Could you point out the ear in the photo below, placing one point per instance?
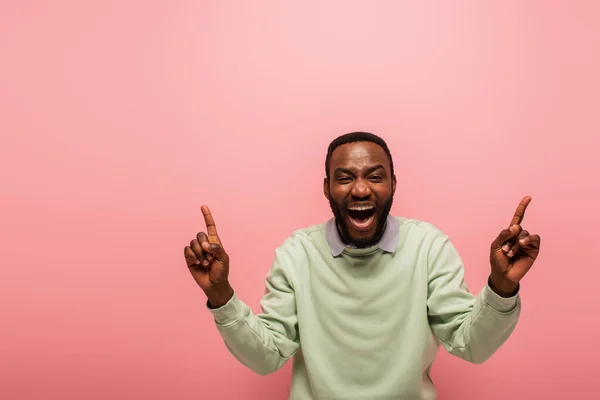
(393, 184)
(326, 188)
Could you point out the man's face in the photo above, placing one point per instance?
(360, 191)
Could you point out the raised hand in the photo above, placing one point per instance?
(513, 253)
(209, 263)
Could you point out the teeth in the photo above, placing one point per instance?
(361, 208)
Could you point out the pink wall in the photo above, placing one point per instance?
(118, 119)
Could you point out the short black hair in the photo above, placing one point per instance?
(356, 137)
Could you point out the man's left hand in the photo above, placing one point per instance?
(512, 254)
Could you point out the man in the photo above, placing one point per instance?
(361, 303)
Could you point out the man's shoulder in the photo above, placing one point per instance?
(302, 241)
(311, 233)
(412, 226)
(311, 230)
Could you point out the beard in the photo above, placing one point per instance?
(341, 214)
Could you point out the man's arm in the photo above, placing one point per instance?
(266, 341)
(469, 327)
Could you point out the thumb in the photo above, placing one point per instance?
(215, 250)
(505, 236)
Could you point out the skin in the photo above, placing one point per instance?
(360, 173)
(208, 263)
(513, 253)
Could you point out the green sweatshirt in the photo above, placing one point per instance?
(366, 323)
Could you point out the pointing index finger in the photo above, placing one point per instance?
(213, 237)
(520, 211)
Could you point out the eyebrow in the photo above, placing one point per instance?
(351, 172)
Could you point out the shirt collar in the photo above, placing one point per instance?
(388, 242)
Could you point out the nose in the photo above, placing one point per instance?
(361, 190)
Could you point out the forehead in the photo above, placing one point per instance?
(358, 155)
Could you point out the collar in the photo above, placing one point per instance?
(388, 242)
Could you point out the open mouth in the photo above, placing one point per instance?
(361, 216)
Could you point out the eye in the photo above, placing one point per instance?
(376, 178)
(344, 179)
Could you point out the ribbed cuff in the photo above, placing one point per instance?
(499, 303)
(228, 313)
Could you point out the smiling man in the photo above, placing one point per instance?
(362, 302)
(359, 188)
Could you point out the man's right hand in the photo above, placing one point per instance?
(209, 263)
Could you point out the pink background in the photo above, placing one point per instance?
(118, 119)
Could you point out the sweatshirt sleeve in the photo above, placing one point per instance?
(470, 327)
(265, 341)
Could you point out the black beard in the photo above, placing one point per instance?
(342, 225)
